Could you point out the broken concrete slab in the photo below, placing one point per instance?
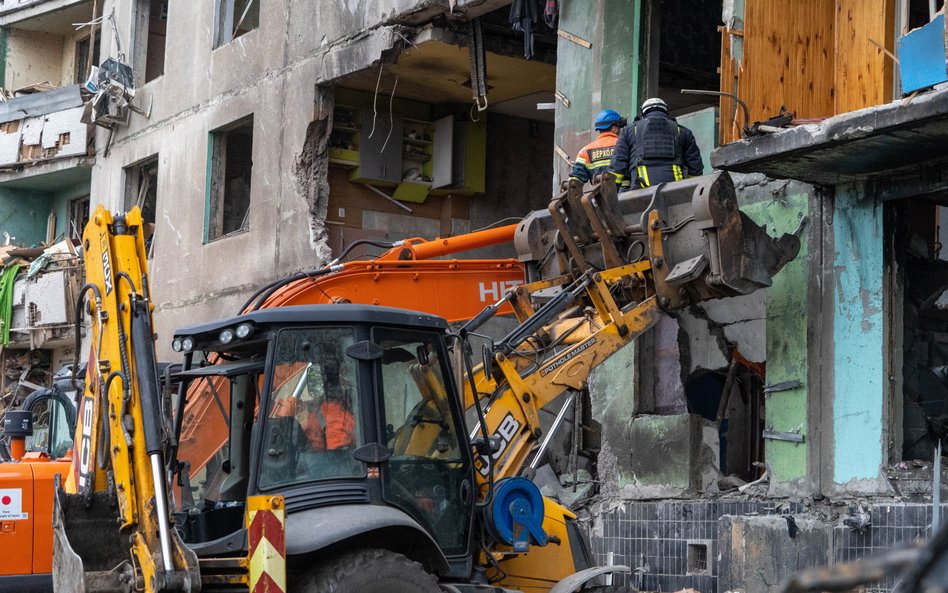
(848, 147)
(760, 554)
(659, 457)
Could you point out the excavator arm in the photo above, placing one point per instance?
(619, 264)
(120, 460)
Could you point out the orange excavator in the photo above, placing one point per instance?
(410, 274)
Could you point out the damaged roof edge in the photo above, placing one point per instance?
(42, 103)
(847, 147)
(358, 53)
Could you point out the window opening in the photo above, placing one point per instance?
(83, 57)
(150, 33)
(697, 558)
(78, 216)
(231, 164)
(236, 17)
(141, 189)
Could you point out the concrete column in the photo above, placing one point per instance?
(858, 407)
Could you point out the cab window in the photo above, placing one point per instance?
(312, 422)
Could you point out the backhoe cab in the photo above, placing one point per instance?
(358, 426)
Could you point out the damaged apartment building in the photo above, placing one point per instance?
(730, 445)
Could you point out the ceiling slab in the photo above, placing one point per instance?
(51, 17)
(439, 72)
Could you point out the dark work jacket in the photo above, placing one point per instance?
(668, 152)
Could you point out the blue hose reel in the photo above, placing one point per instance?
(515, 515)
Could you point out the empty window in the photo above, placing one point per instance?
(236, 17)
(85, 59)
(78, 216)
(231, 152)
(150, 31)
(141, 189)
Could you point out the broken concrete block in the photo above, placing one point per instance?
(659, 457)
(760, 554)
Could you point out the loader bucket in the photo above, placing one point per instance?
(89, 553)
(701, 246)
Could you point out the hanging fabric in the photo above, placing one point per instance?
(551, 13)
(523, 15)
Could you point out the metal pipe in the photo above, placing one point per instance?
(721, 94)
(936, 490)
(560, 416)
(389, 198)
(466, 242)
(161, 502)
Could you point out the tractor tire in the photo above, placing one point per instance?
(370, 571)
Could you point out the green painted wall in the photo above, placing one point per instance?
(24, 214)
(786, 339)
(606, 76)
(704, 126)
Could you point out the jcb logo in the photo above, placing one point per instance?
(507, 430)
(496, 290)
(85, 443)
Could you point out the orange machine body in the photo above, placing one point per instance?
(26, 522)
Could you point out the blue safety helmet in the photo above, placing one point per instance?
(608, 118)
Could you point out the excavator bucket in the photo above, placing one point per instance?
(89, 554)
(701, 246)
(92, 555)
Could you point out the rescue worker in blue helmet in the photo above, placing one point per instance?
(595, 157)
(655, 149)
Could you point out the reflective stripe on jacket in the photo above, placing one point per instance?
(595, 157)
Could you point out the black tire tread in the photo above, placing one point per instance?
(347, 573)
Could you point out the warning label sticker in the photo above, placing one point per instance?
(11, 504)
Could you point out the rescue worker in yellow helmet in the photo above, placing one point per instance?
(595, 157)
(655, 149)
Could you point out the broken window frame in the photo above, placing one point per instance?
(141, 189)
(83, 61)
(141, 47)
(79, 209)
(230, 19)
(219, 191)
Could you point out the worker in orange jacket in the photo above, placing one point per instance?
(330, 425)
(595, 157)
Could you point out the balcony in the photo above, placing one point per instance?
(43, 15)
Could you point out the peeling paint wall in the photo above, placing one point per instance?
(858, 404)
(786, 334)
(23, 215)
